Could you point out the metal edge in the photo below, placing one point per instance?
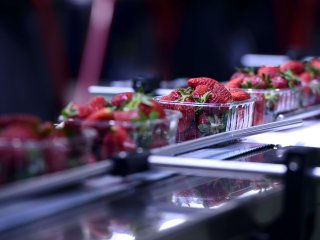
(54, 180)
(303, 113)
(225, 137)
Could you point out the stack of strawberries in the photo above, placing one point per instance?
(294, 75)
(205, 105)
(29, 147)
(129, 121)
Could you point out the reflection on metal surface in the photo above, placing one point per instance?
(171, 223)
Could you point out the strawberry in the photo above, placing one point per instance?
(194, 82)
(239, 95)
(243, 72)
(74, 110)
(219, 93)
(173, 95)
(102, 114)
(296, 67)
(201, 93)
(121, 99)
(293, 79)
(203, 123)
(116, 140)
(153, 110)
(279, 82)
(192, 133)
(270, 71)
(315, 63)
(97, 103)
(185, 122)
(235, 82)
(45, 129)
(19, 131)
(255, 82)
(167, 98)
(126, 115)
(21, 119)
(306, 77)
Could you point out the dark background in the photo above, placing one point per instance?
(42, 42)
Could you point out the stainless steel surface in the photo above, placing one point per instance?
(225, 137)
(303, 113)
(54, 180)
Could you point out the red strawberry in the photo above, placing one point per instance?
(126, 115)
(306, 77)
(315, 63)
(234, 83)
(191, 133)
(255, 82)
(201, 93)
(279, 82)
(74, 110)
(219, 93)
(242, 73)
(19, 131)
(97, 103)
(203, 123)
(194, 82)
(184, 123)
(153, 110)
(116, 140)
(102, 114)
(296, 67)
(270, 71)
(120, 99)
(239, 95)
(21, 119)
(167, 98)
(45, 129)
(173, 95)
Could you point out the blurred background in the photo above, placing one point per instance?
(52, 50)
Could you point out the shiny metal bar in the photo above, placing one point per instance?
(206, 167)
(54, 180)
(217, 165)
(303, 113)
(225, 137)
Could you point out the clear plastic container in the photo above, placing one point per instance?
(21, 159)
(271, 102)
(310, 93)
(203, 119)
(125, 136)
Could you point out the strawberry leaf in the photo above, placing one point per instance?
(154, 115)
(204, 128)
(69, 111)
